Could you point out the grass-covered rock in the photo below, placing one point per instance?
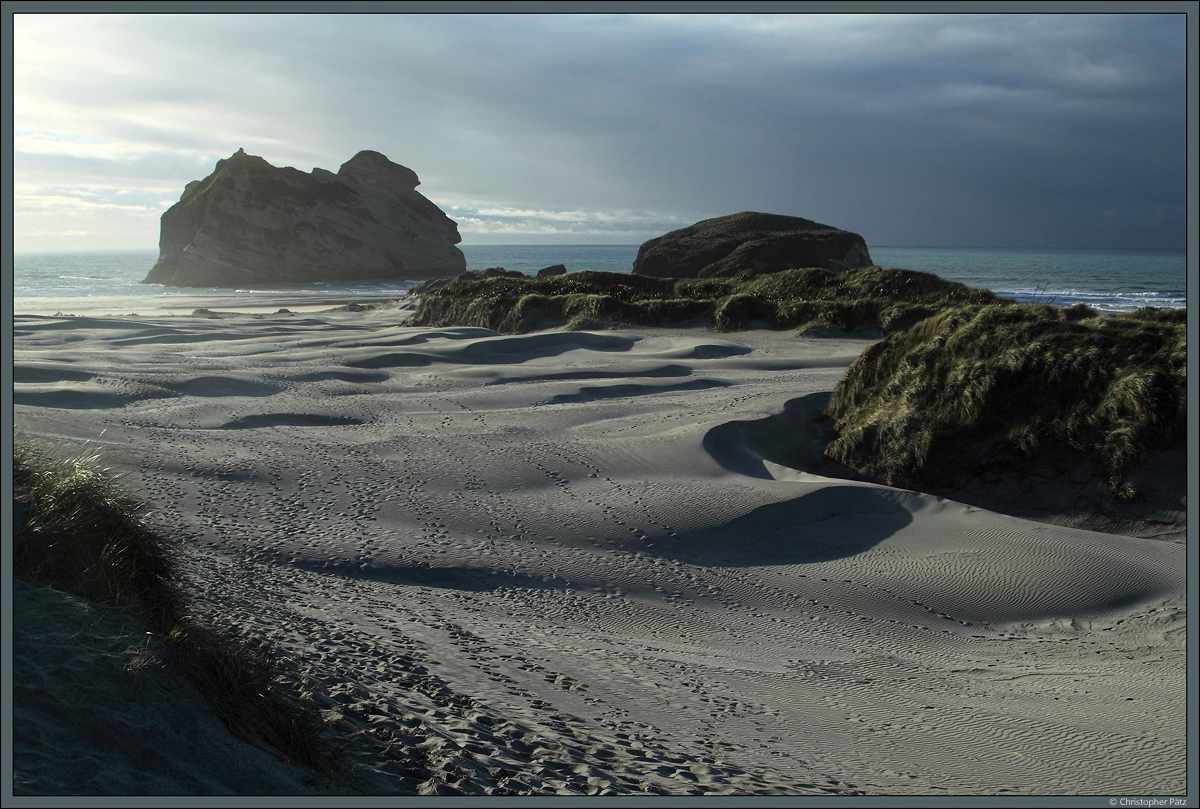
(1012, 388)
(809, 300)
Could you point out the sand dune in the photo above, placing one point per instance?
(580, 563)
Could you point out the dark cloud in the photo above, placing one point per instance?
(1025, 130)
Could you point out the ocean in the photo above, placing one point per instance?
(1107, 280)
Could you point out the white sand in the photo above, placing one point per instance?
(541, 563)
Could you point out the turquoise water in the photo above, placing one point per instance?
(1108, 280)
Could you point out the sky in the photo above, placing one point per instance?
(953, 130)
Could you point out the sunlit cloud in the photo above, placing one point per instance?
(486, 220)
(75, 200)
(44, 143)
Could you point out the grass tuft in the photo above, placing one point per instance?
(240, 677)
(1008, 387)
(84, 534)
(87, 536)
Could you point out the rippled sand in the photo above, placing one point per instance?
(558, 563)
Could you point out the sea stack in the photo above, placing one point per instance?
(750, 242)
(250, 223)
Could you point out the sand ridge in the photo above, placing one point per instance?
(562, 563)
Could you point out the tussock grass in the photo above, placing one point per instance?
(240, 677)
(87, 536)
(809, 300)
(1011, 387)
(84, 534)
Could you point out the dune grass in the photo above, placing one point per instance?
(1010, 387)
(812, 301)
(85, 535)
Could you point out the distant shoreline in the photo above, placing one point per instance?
(157, 306)
(1104, 280)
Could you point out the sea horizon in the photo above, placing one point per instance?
(1107, 279)
(993, 248)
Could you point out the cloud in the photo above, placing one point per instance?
(478, 224)
(910, 129)
(81, 199)
(46, 143)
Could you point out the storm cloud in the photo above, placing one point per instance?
(1030, 130)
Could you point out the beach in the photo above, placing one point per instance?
(559, 563)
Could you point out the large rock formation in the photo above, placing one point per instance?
(750, 242)
(252, 223)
